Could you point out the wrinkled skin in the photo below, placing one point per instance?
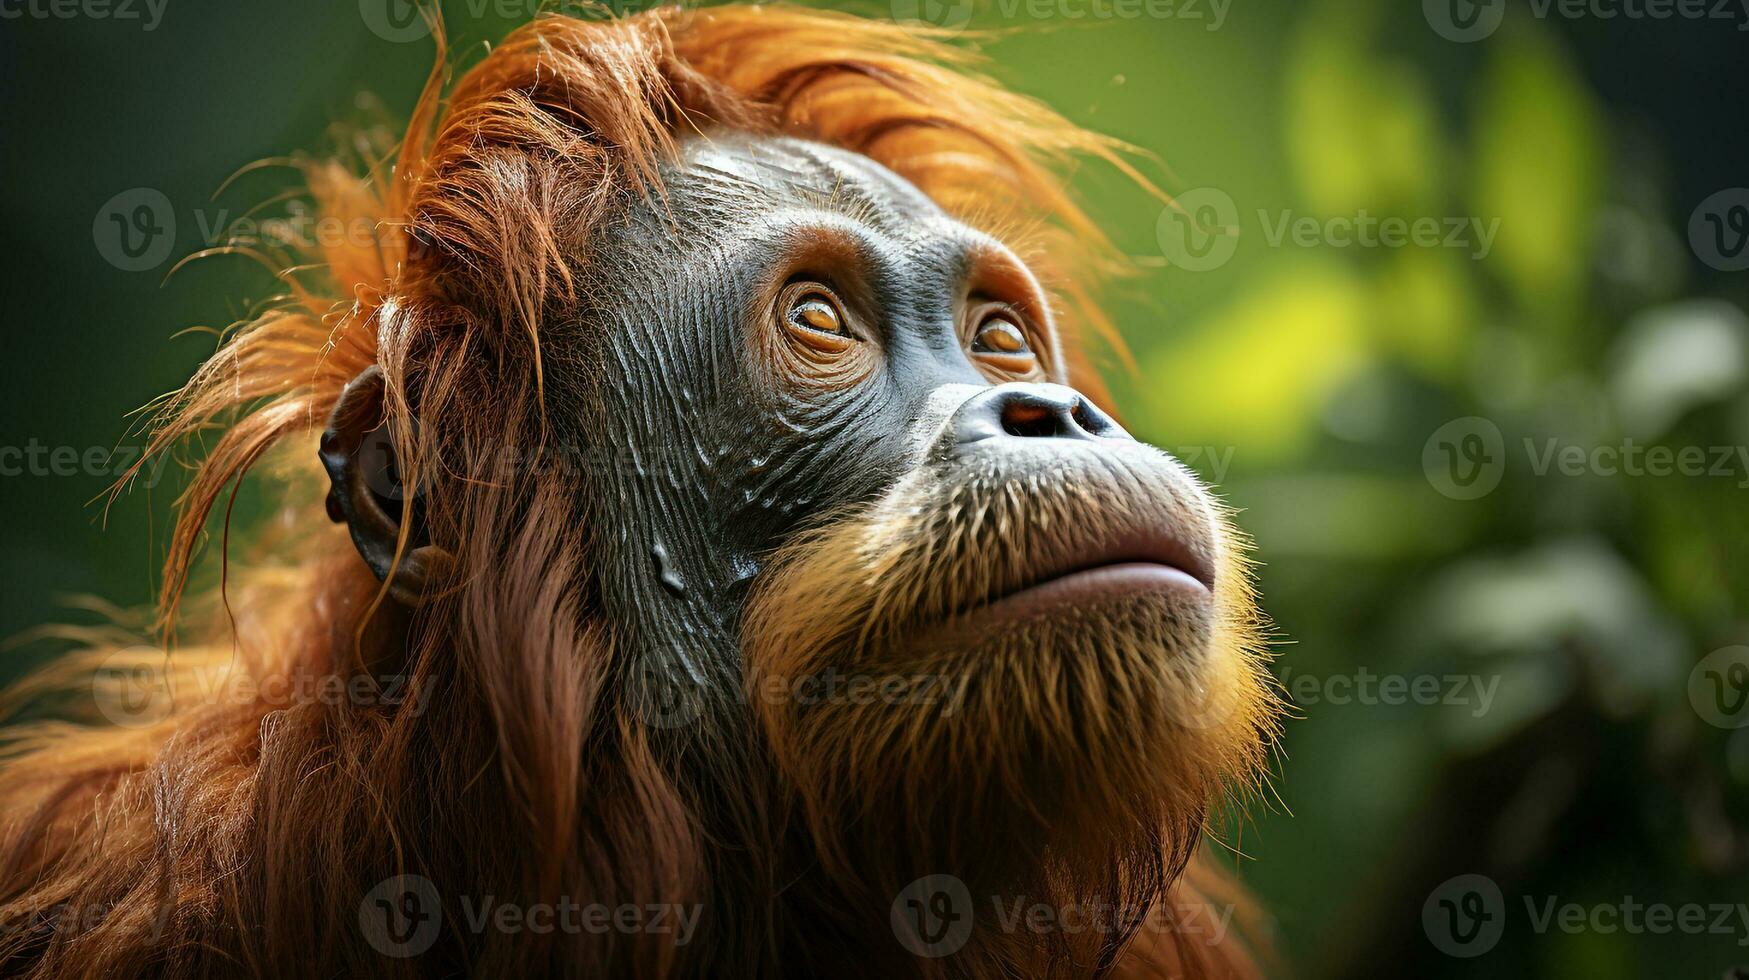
(822, 431)
(715, 455)
(731, 462)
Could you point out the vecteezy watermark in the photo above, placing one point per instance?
(1211, 462)
(657, 463)
(1466, 916)
(1472, 691)
(1200, 230)
(670, 696)
(38, 459)
(66, 919)
(1631, 459)
(1718, 229)
(932, 916)
(139, 686)
(135, 230)
(1464, 21)
(1465, 458)
(401, 21)
(403, 915)
(1718, 687)
(147, 13)
(1364, 230)
(834, 686)
(954, 15)
(935, 916)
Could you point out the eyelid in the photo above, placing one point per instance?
(805, 356)
(810, 303)
(1011, 332)
(803, 289)
(1029, 363)
(981, 311)
(994, 273)
(833, 251)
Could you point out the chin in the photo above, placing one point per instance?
(1065, 686)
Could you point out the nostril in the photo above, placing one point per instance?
(1021, 410)
(1030, 419)
(1083, 420)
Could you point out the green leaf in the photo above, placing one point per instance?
(1538, 170)
(1256, 373)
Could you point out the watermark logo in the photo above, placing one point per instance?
(1465, 458)
(149, 13)
(67, 919)
(395, 21)
(1200, 231)
(1364, 229)
(401, 916)
(671, 698)
(668, 696)
(402, 21)
(1474, 692)
(1718, 230)
(39, 459)
(1464, 21)
(138, 686)
(381, 466)
(952, 16)
(1718, 687)
(132, 687)
(1465, 916)
(135, 230)
(942, 15)
(932, 916)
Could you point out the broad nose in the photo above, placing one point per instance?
(1021, 410)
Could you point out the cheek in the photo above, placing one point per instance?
(799, 458)
(807, 370)
(818, 431)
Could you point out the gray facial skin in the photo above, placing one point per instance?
(715, 460)
(910, 490)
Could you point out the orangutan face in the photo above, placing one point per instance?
(849, 450)
(741, 519)
(842, 498)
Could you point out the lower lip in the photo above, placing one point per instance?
(1125, 578)
(1095, 584)
(1083, 589)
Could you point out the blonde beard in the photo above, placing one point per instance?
(1073, 752)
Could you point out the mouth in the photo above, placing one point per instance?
(1150, 562)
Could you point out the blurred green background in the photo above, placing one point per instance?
(1515, 657)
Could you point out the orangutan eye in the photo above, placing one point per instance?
(817, 313)
(999, 335)
(814, 315)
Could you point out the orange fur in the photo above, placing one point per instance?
(235, 833)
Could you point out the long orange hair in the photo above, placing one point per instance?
(236, 832)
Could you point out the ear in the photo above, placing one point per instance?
(366, 493)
